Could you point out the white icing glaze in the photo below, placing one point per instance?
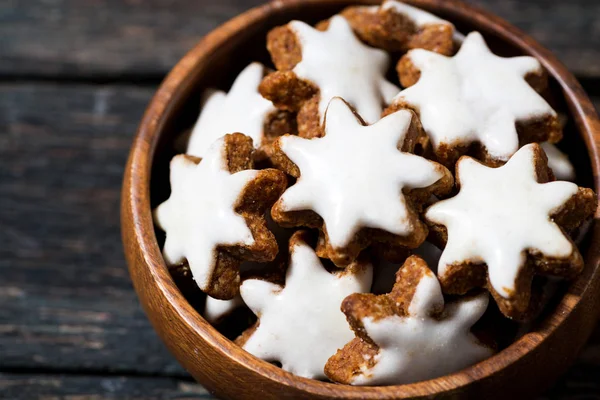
(474, 96)
(301, 324)
(498, 214)
(427, 298)
(559, 163)
(385, 271)
(215, 309)
(419, 17)
(341, 65)
(243, 110)
(199, 216)
(354, 175)
(419, 347)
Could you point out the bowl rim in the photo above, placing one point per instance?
(136, 202)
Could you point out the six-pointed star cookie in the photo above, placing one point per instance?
(408, 335)
(243, 109)
(315, 66)
(300, 324)
(476, 101)
(397, 27)
(358, 184)
(509, 220)
(214, 217)
(504, 226)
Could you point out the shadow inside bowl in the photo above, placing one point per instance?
(218, 70)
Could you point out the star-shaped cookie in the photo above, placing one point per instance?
(300, 324)
(358, 184)
(511, 222)
(476, 102)
(408, 335)
(243, 109)
(214, 218)
(398, 27)
(314, 66)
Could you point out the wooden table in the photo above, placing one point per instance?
(75, 78)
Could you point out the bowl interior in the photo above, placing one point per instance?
(225, 62)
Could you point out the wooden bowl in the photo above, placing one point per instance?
(527, 366)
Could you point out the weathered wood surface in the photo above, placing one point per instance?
(65, 294)
(141, 40)
(569, 28)
(70, 323)
(135, 38)
(581, 384)
(55, 387)
(67, 305)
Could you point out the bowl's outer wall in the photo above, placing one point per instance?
(526, 367)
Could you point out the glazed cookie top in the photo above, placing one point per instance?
(300, 324)
(415, 335)
(341, 65)
(419, 347)
(475, 96)
(243, 109)
(353, 177)
(499, 214)
(191, 208)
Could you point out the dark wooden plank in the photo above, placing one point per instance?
(583, 384)
(67, 301)
(57, 387)
(119, 39)
(111, 37)
(569, 28)
(580, 383)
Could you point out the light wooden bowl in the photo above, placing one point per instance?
(528, 366)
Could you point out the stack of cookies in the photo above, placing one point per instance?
(364, 225)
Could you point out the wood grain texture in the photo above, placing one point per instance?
(55, 387)
(525, 368)
(67, 305)
(67, 300)
(71, 308)
(137, 39)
